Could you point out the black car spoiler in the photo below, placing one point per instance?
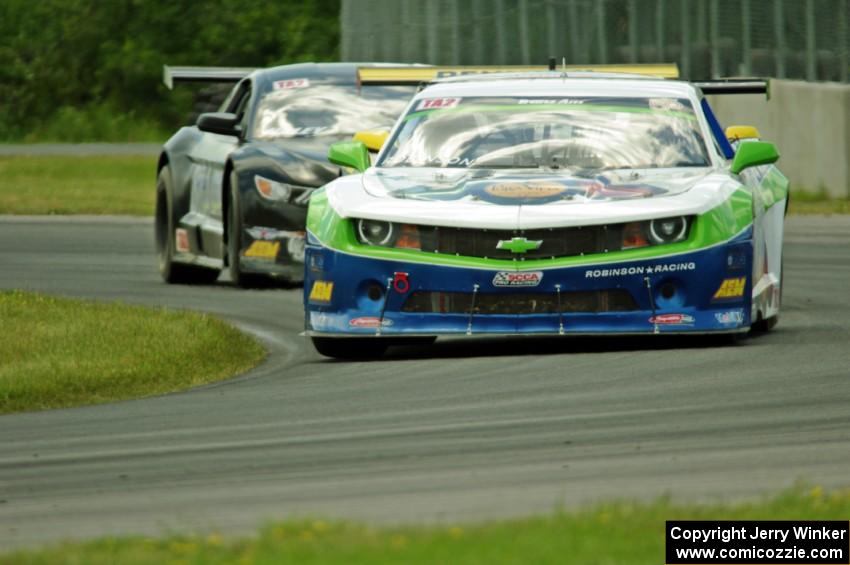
(171, 75)
(734, 86)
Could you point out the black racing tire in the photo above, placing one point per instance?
(350, 347)
(234, 241)
(164, 226)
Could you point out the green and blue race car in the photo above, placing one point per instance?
(552, 203)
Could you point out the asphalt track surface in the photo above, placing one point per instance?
(463, 430)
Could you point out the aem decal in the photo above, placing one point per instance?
(263, 250)
(511, 278)
(731, 288)
(322, 291)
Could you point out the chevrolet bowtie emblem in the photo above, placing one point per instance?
(519, 244)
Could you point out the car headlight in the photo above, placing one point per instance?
(272, 189)
(655, 232)
(387, 234)
(668, 230)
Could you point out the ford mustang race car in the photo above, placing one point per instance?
(232, 190)
(547, 203)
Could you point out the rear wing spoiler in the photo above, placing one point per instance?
(734, 86)
(399, 76)
(416, 75)
(171, 75)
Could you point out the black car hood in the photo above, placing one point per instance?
(299, 161)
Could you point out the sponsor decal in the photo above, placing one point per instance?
(267, 234)
(181, 240)
(731, 288)
(291, 83)
(321, 291)
(509, 278)
(640, 270)
(549, 101)
(672, 320)
(295, 247)
(263, 250)
(401, 283)
(438, 103)
(668, 105)
(525, 190)
(369, 322)
(730, 317)
(317, 262)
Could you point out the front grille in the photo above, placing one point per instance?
(557, 242)
(586, 301)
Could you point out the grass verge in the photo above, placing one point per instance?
(817, 203)
(57, 352)
(619, 533)
(77, 185)
(113, 184)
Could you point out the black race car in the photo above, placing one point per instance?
(232, 190)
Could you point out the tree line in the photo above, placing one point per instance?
(71, 64)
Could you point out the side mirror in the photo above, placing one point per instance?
(737, 133)
(223, 123)
(373, 140)
(752, 154)
(352, 154)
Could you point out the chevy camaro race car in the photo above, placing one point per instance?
(550, 203)
(232, 190)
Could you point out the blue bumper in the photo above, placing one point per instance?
(705, 291)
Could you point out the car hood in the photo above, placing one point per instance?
(495, 199)
(303, 161)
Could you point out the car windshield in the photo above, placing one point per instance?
(575, 133)
(299, 108)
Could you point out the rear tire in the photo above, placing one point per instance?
(164, 226)
(350, 347)
(234, 241)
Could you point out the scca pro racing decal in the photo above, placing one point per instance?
(672, 320)
(508, 278)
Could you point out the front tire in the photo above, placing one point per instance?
(164, 227)
(234, 240)
(350, 347)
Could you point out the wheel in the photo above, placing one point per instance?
(350, 347)
(164, 226)
(234, 241)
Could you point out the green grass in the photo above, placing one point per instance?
(125, 185)
(57, 352)
(78, 185)
(806, 202)
(617, 533)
